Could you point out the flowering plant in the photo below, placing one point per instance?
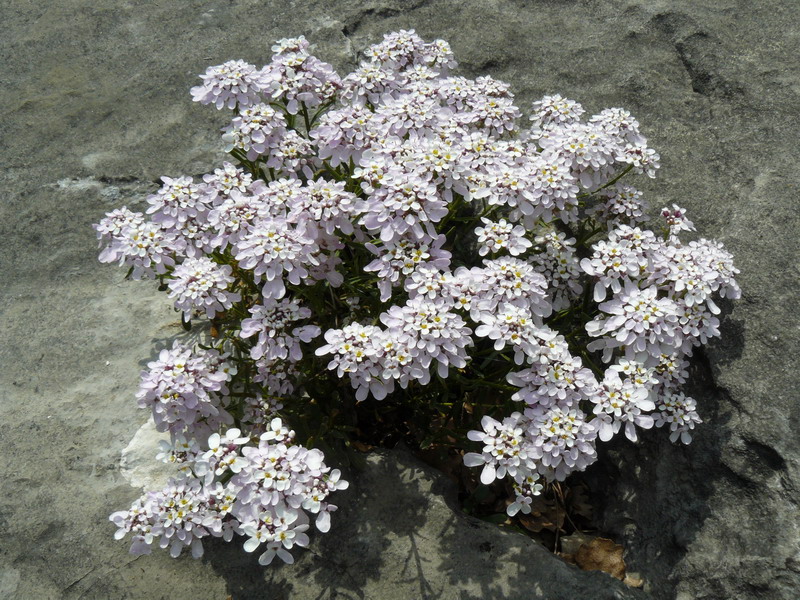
(395, 255)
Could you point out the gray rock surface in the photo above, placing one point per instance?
(94, 108)
(399, 534)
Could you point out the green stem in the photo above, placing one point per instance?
(624, 172)
(306, 120)
(321, 111)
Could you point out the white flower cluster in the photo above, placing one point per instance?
(186, 390)
(417, 334)
(557, 260)
(494, 237)
(663, 293)
(270, 488)
(623, 206)
(270, 321)
(411, 218)
(202, 283)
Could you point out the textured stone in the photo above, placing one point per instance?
(94, 107)
(137, 462)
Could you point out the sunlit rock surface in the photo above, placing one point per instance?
(95, 108)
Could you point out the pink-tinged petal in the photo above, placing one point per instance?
(594, 328)
(472, 459)
(617, 321)
(443, 369)
(605, 431)
(267, 557)
(175, 549)
(488, 475)
(646, 405)
(483, 330)
(475, 436)
(599, 292)
(197, 548)
(630, 431)
(488, 423)
(323, 521)
(285, 556)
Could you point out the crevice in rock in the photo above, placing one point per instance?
(766, 455)
(355, 23)
(653, 497)
(700, 54)
(120, 179)
(699, 79)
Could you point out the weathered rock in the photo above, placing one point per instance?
(138, 464)
(94, 108)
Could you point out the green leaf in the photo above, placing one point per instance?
(481, 494)
(497, 518)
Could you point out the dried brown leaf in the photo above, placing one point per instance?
(532, 523)
(601, 554)
(571, 544)
(540, 506)
(632, 580)
(361, 446)
(567, 558)
(543, 515)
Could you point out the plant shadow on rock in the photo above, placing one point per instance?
(410, 540)
(732, 331)
(365, 535)
(654, 497)
(196, 335)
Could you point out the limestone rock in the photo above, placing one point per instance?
(95, 108)
(138, 464)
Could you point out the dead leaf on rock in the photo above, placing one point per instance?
(532, 524)
(567, 558)
(360, 446)
(631, 580)
(601, 554)
(571, 544)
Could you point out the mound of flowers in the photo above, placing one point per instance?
(400, 254)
